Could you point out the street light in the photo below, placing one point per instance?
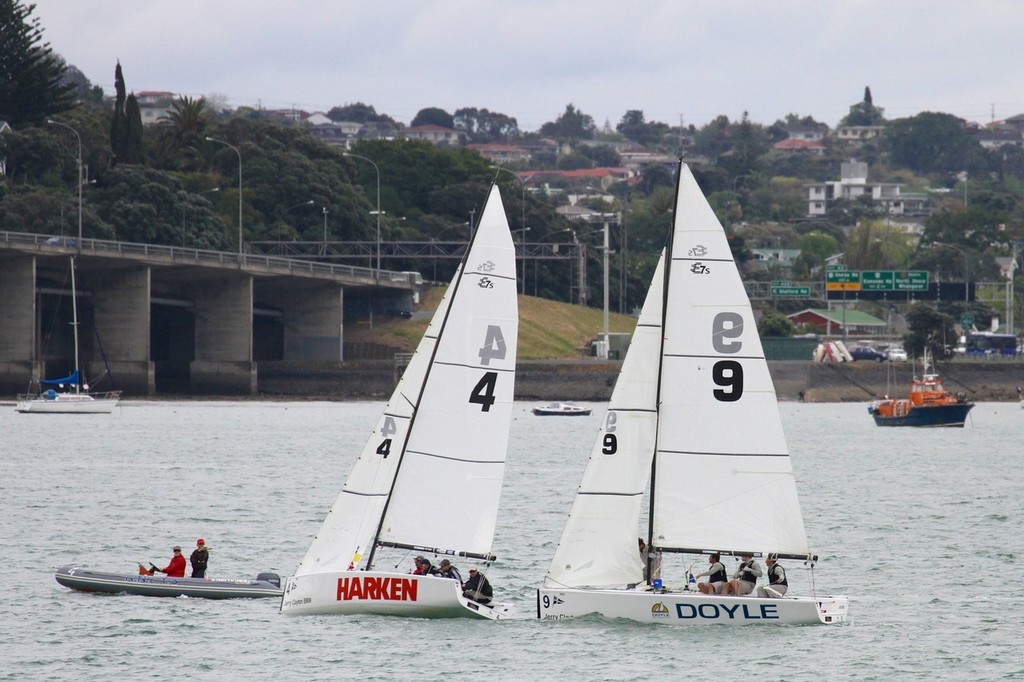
(65, 125)
(377, 212)
(235, 150)
(325, 230)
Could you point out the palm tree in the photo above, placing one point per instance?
(182, 132)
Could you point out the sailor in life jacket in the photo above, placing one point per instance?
(777, 583)
(716, 575)
(745, 577)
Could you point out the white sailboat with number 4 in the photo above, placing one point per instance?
(694, 415)
(429, 479)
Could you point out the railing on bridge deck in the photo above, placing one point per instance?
(42, 243)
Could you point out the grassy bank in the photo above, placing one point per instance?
(548, 330)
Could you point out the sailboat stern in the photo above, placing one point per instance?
(382, 593)
(689, 608)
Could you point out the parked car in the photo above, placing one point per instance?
(865, 353)
(896, 355)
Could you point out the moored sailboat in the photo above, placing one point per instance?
(429, 479)
(70, 394)
(693, 426)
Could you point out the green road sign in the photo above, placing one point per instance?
(842, 280)
(967, 320)
(911, 280)
(834, 267)
(877, 280)
(789, 290)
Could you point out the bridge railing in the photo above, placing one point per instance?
(43, 243)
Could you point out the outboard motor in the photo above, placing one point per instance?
(270, 578)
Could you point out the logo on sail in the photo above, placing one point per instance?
(698, 251)
(659, 610)
(486, 283)
(700, 269)
(486, 266)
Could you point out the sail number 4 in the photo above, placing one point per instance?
(726, 329)
(493, 349)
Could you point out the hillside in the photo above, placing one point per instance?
(548, 330)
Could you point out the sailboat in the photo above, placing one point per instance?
(70, 394)
(428, 480)
(693, 426)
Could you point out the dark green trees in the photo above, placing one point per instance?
(32, 85)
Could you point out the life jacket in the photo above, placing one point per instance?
(777, 576)
(718, 574)
(746, 574)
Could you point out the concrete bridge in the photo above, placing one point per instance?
(167, 319)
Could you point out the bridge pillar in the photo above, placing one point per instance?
(223, 362)
(312, 314)
(121, 304)
(18, 366)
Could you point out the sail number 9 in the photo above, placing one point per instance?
(726, 330)
(493, 348)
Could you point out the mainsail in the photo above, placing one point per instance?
(673, 425)
(430, 476)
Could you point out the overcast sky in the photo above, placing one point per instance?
(676, 60)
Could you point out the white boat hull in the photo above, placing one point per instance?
(69, 403)
(689, 608)
(382, 593)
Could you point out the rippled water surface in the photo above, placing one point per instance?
(921, 528)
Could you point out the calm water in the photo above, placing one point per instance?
(920, 528)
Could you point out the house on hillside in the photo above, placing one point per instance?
(796, 145)
(437, 135)
(154, 105)
(503, 154)
(858, 134)
(853, 184)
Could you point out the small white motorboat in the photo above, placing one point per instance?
(564, 409)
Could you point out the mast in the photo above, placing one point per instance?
(661, 357)
(74, 325)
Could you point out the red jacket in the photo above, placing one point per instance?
(175, 569)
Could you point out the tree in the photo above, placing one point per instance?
(433, 116)
(358, 113)
(929, 328)
(118, 122)
(571, 126)
(481, 125)
(864, 113)
(32, 77)
(634, 127)
(933, 143)
(133, 152)
(774, 323)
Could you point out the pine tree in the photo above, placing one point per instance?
(133, 131)
(32, 86)
(118, 122)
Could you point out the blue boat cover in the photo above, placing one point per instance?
(70, 379)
